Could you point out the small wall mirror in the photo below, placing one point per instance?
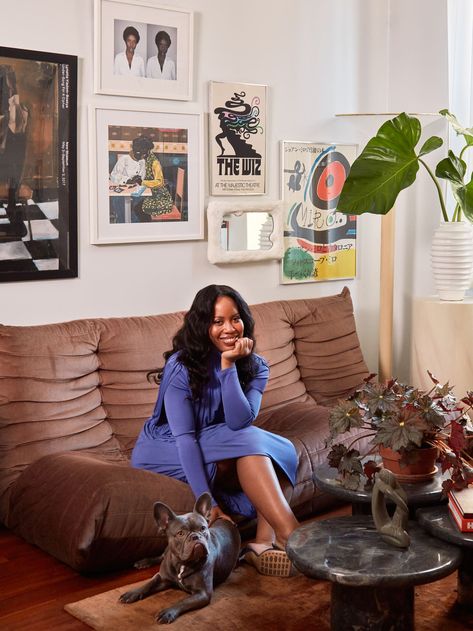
(244, 232)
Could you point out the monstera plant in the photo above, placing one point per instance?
(390, 161)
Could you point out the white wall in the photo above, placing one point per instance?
(319, 58)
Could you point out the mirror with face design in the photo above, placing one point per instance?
(244, 232)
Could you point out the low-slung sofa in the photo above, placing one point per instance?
(73, 398)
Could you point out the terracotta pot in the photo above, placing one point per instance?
(416, 465)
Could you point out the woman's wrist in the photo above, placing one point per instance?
(227, 363)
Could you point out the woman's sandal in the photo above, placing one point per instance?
(270, 562)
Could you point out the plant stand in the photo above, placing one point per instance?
(437, 522)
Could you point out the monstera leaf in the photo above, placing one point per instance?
(466, 132)
(387, 165)
(453, 169)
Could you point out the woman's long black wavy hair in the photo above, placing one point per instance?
(193, 340)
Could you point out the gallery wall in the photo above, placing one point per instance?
(318, 59)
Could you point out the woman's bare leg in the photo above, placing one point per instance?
(260, 483)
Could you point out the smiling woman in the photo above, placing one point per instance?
(202, 432)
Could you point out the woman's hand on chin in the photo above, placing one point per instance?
(243, 347)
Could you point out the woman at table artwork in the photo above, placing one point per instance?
(129, 62)
(202, 432)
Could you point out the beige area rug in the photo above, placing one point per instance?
(250, 601)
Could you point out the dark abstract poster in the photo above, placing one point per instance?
(38, 181)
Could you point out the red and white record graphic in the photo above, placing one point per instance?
(328, 179)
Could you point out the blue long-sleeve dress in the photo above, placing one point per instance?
(184, 438)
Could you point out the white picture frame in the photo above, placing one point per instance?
(216, 211)
(145, 77)
(177, 145)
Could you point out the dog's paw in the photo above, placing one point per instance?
(130, 597)
(142, 564)
(166, 616)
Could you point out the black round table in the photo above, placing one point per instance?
(437, 521)
(372, 581)
(418, 493)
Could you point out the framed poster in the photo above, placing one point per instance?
(319, 242)
(147, 167)
(38, 168)
(143, 49)
(237, 138)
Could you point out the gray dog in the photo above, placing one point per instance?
(197, 558)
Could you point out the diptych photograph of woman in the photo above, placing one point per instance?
(202, 429)
(153, 58)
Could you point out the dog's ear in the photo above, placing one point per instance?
(163, 515)
(204, 505)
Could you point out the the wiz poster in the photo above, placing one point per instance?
(319, 242)
(237, 138)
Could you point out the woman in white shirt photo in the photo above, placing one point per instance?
(129, 62)
(160, 66)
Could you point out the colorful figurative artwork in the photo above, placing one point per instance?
(148, 176)
(148, 168)
(237, 138)
(319, 242)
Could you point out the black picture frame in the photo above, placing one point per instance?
(38, 165)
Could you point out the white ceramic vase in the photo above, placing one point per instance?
(452, 259)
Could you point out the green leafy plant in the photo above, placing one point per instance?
(401, 418)
(390, 161)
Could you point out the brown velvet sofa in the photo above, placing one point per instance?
(73, 398)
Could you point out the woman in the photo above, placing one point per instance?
(160, 201)
(129, 62)
(201, 429)
(159, 66)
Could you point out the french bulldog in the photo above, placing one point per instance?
(197, 558)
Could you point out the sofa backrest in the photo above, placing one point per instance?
(82, 385)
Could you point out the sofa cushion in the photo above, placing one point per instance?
(128, 349)
(91, 513)
(327, 346)
(50, 399)
(306, 426)
(274, 332)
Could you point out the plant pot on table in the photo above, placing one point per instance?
(413, 465)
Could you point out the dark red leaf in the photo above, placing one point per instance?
(447, 486)
(370, 468)
(457, 440)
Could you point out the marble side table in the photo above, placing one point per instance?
(437, 521)
(372, 582)
(418, 493)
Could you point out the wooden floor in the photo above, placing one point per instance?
(34, 587)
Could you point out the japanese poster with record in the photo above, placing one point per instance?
(319, 242)
(237, 138)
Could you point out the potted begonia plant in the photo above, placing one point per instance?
(405, 421)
